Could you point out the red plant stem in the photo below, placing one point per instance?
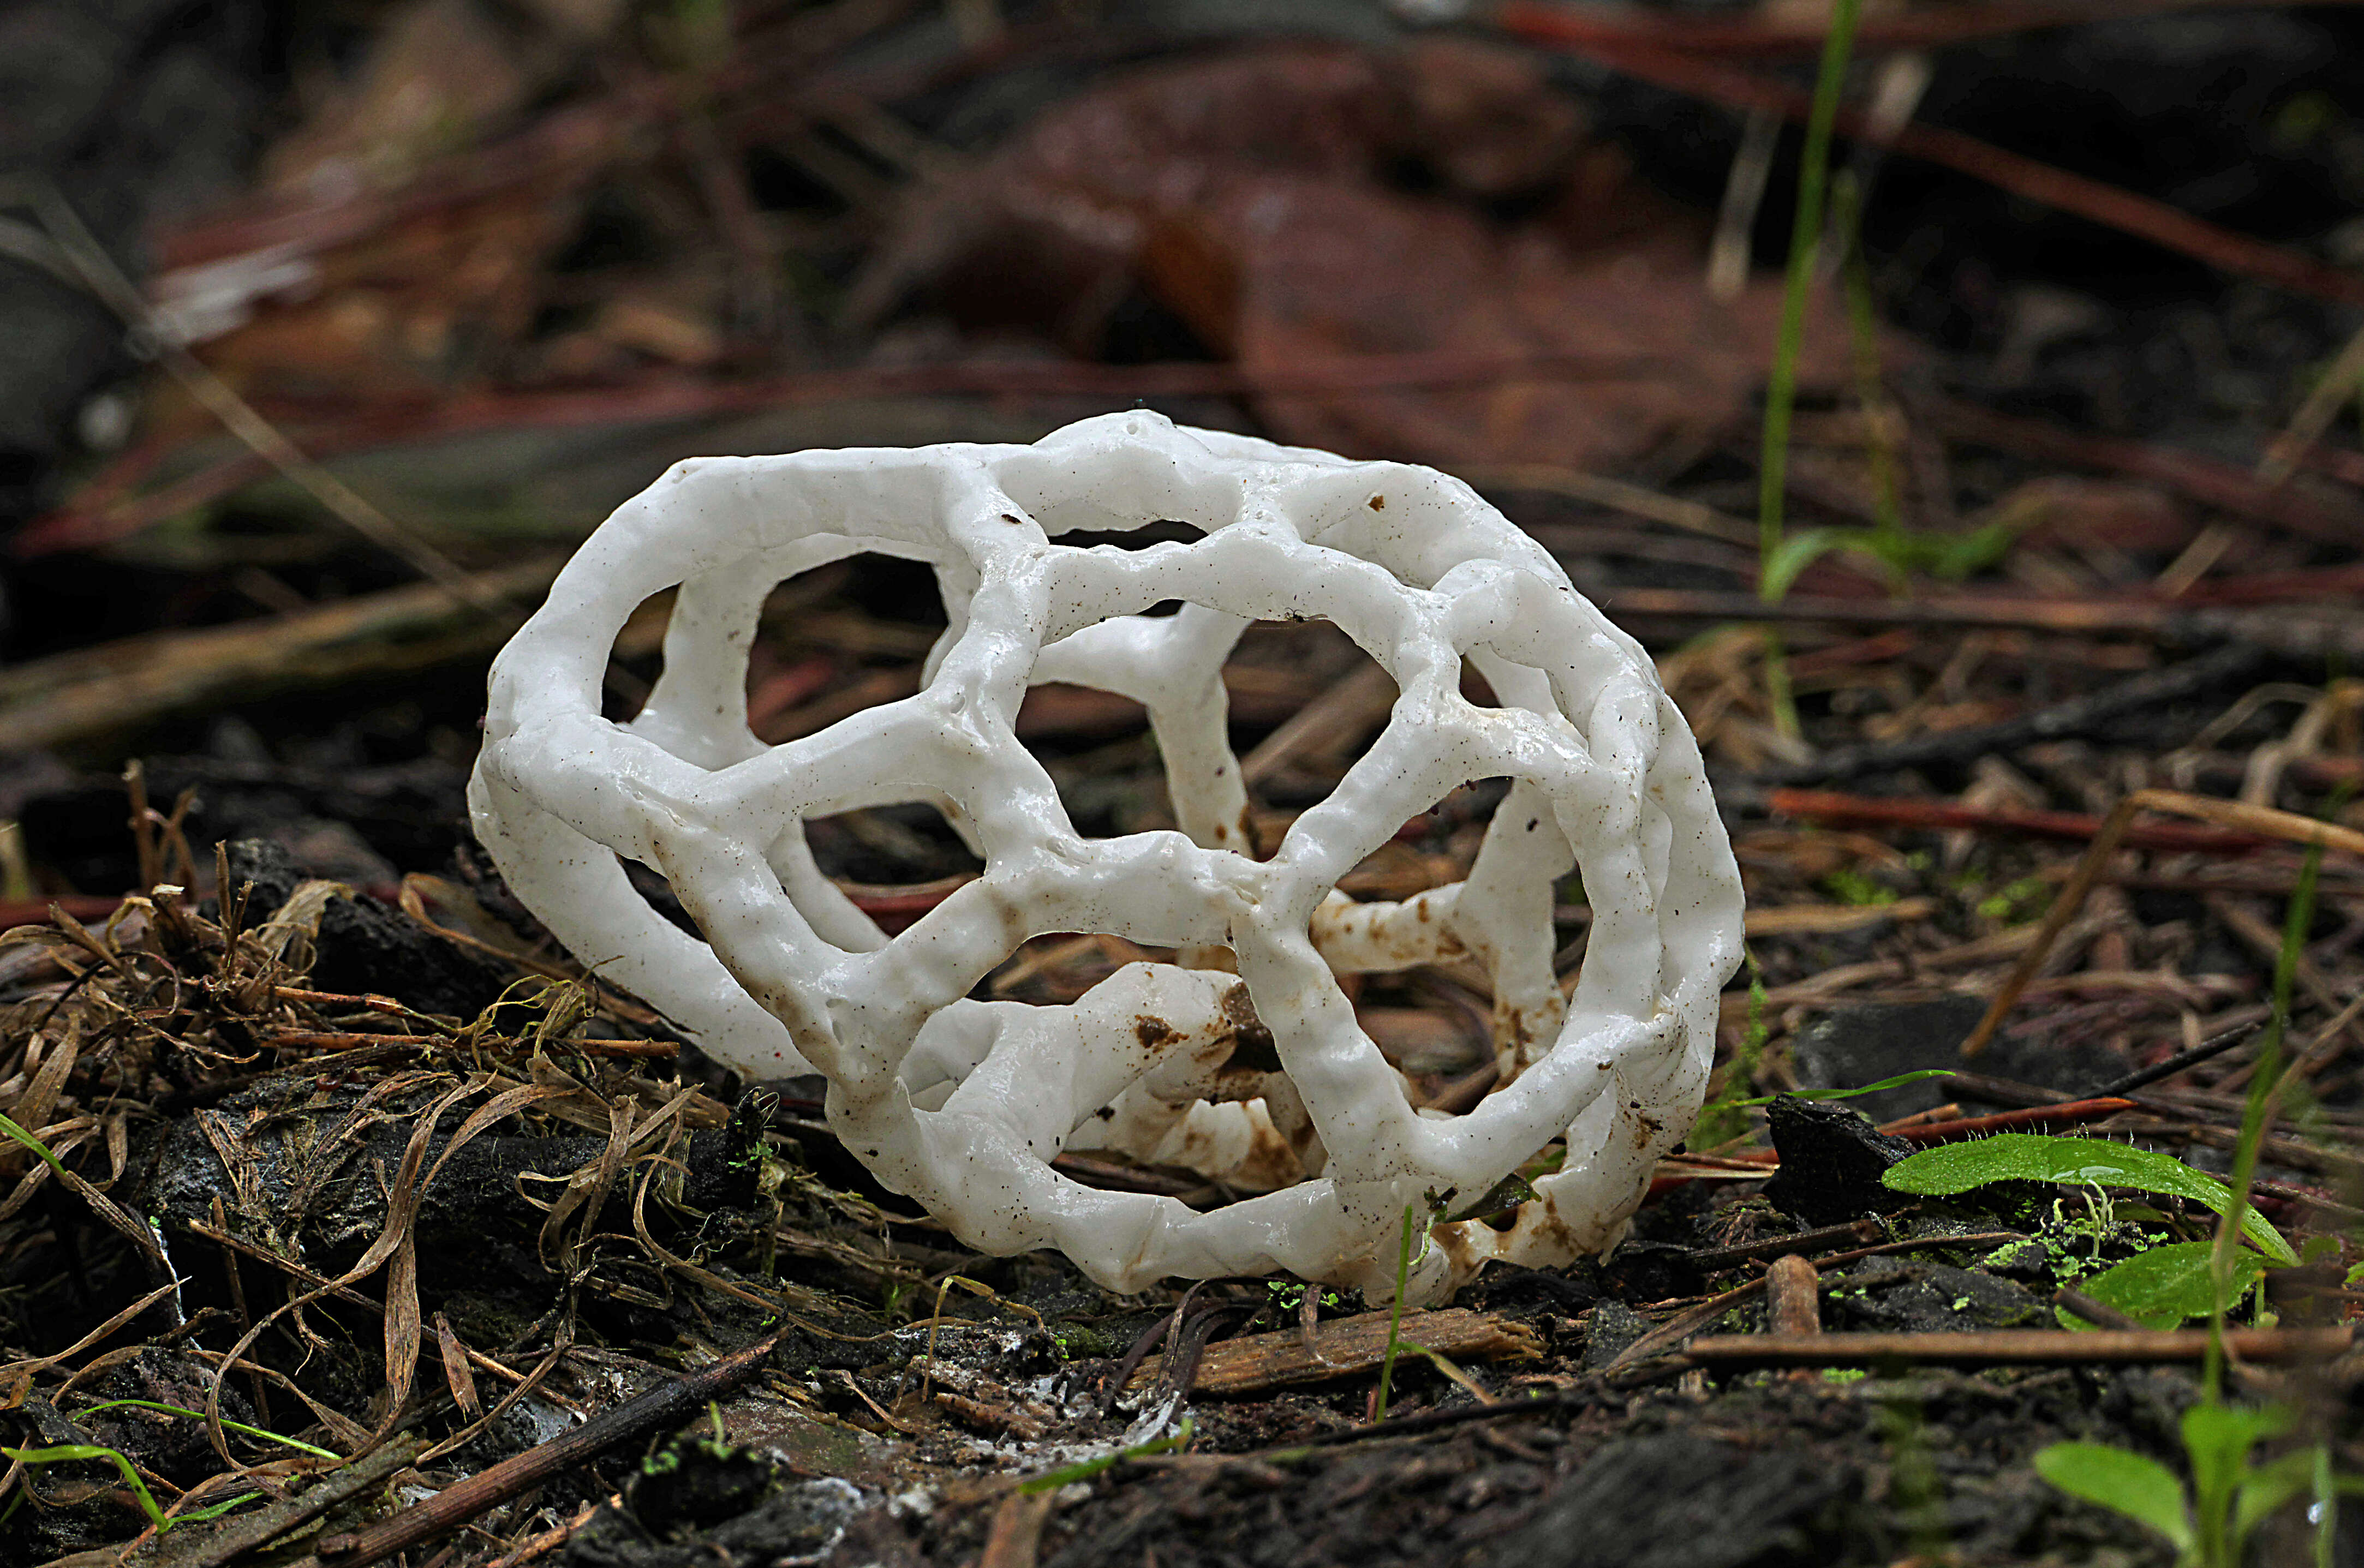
(2036, 1118)
(2103, 204)
(2209, 481)
(1836, 810)
(36, 911)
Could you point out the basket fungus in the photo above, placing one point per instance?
(1241, 1057)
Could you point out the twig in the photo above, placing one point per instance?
(669, 1404)
(548, 1541)
(671, 399)
(2214, 1046)
(2099, 1313)
(1615, 494)
(2210, 480)
(1907, 811)
(2016, 1347)
(1778, 33)
(1793, 1297)
(107, 283)
(1016, 1536)
(2336, 384)
(1345, 1346)
(2313, 617)
(2077, 715)
(1339, 716)
(119, 686)
(1709, 1259)
(2284, 825)
(268, 1523)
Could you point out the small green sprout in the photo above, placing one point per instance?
(69, 1453)
(1084, 1470)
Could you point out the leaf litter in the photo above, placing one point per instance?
(319, 1141)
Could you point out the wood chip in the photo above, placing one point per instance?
(1344, 1347)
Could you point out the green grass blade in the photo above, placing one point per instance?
(1813, 179)
(71, 1453)
(257, 1432)
(8, 1127)
(1084, 1470)
(1395, 1318)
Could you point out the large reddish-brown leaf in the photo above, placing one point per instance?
(1261, 196)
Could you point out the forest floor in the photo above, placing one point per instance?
(405, 1240)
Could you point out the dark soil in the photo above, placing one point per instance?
(347, 1151)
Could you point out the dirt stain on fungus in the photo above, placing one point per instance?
(1154, 1033)
(1252, 1049)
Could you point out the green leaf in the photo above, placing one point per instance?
(2080, 1162)
(2271, 1486)
(2218, 1439)
(1958, 557)
(1500, 1198)
(1782, 566)
(2165, 1285)
(2139, 1489)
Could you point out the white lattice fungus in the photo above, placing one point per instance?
(1264, 1077)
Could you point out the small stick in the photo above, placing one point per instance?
(1794, 1303)
(2017, 1346)
(548, 1541)
(2100, 1313)
(276, 1519)
(667, 1405)
(1837, 810)
(2214, 1046)
(2068, 1113)
(2287, 825)
(1016, 1536)
(1716, 1258)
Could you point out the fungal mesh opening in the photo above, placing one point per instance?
(1055, 969)
(1096, 744)
(840, 638)
(637, 658)
(1305, 702)
(1431, 1019)
(902, 844)
(1166, 530)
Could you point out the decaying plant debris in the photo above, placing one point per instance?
(349, 1211)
